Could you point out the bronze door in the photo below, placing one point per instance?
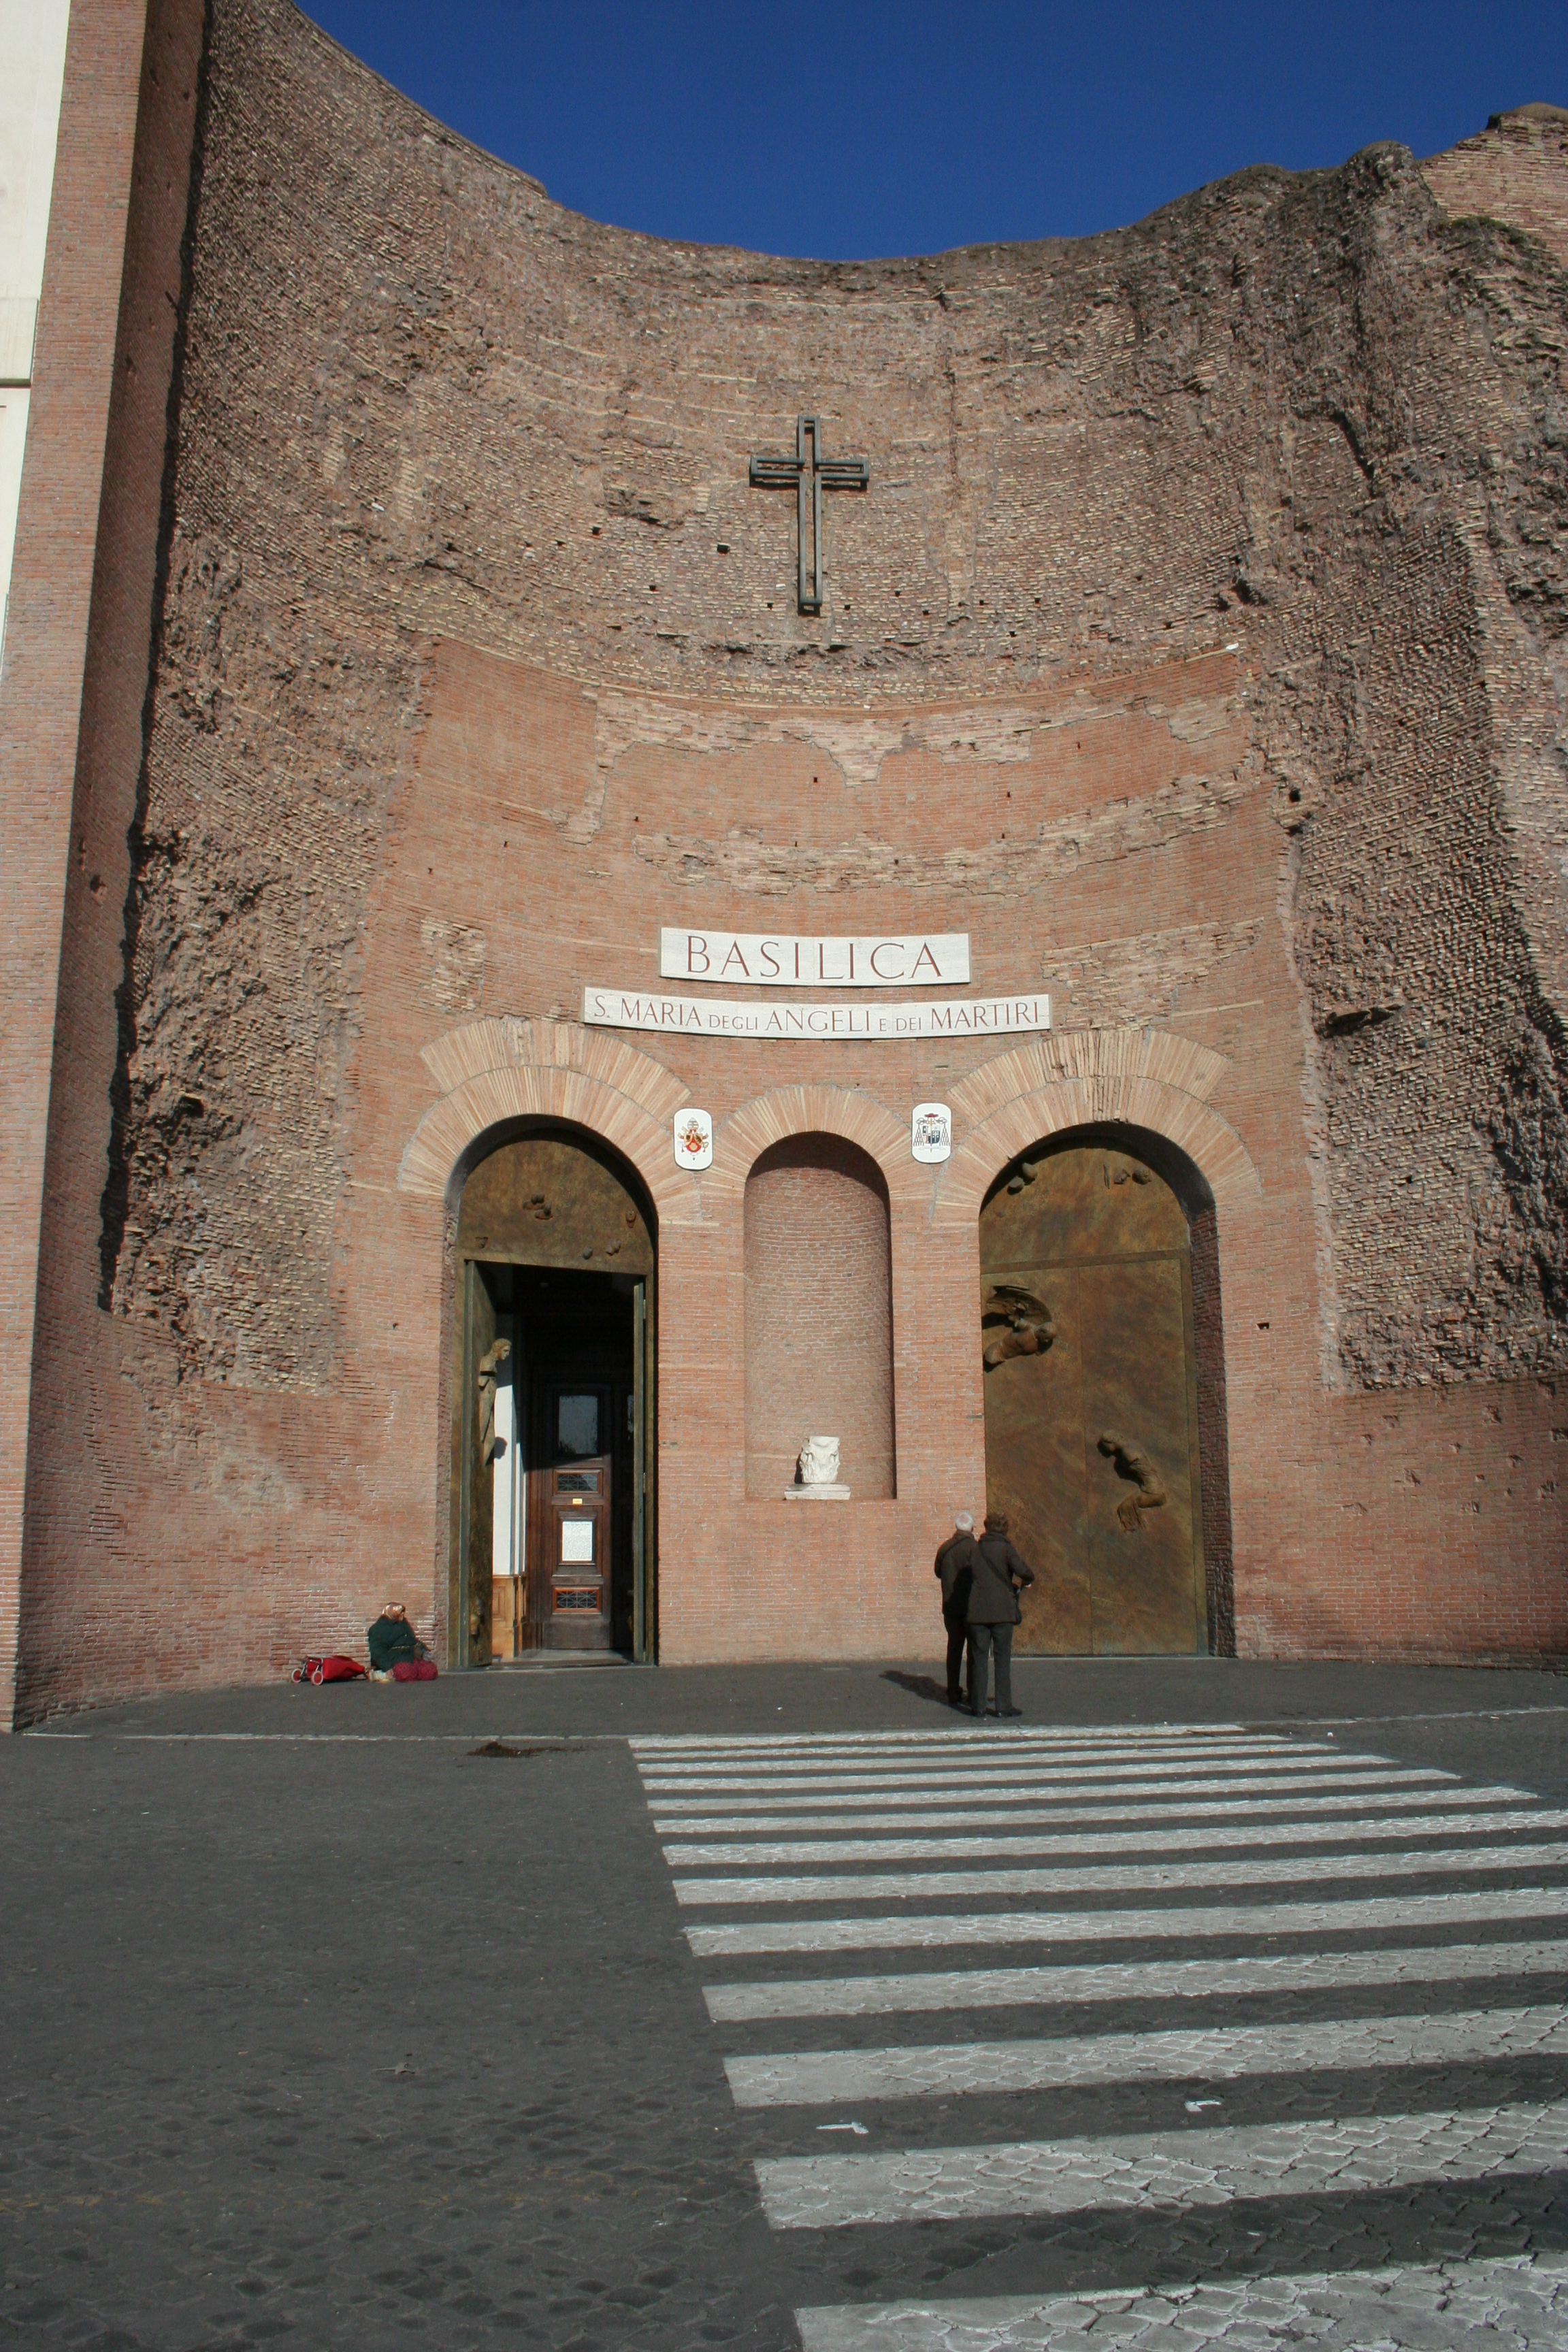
(477, 1485)
(1091, 1401)
(573, 1584)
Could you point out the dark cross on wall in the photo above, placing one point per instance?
(809, 473)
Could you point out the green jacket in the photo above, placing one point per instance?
(391, 1640)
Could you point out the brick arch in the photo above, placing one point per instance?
(496, 1070)
(845, 1111)
(1132, 1078)
(1139, 1079)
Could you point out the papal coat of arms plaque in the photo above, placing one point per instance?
(693, 1139)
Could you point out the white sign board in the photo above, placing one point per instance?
(577, 1539)
(695, 1016)
(764, 959)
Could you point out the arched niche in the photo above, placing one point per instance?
(819, 1316)
(553, 1398)
(1104, 1380)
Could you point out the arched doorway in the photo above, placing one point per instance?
(552, 1403)
(1096, 1392)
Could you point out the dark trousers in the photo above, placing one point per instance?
(983, 1639)
(956, 1635)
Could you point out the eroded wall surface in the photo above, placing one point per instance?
(1198, 648)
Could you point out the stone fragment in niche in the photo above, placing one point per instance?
(816, 1473)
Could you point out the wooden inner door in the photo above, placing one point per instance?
(1089, 1366)
(572, 1584)
(582, 1412)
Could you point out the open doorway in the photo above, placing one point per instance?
(552, 1423)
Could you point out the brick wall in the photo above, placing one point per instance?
(83, 592)
(1193, 650)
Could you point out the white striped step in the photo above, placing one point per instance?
(694, 1817)
(1506, 2302)
(1098, 1778)
(1264, 1973)
(870, 1886)
(822, 2078)
(903, 1930)
(1372, 1829)
(944, 1734)
(1162, 2170)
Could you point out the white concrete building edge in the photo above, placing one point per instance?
(32, 75)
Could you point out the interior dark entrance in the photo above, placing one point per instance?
(552, 1426)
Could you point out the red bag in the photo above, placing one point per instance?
(335, 1669)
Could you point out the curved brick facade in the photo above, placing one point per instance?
(1193, 649)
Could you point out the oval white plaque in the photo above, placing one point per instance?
(930, 1131)
(693, 1139)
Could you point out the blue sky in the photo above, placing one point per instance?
(851, 131)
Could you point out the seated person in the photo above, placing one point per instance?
(397, 1653)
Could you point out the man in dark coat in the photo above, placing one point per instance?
(955, 1568)
(998, 1575)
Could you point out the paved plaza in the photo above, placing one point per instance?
(1209, 2004)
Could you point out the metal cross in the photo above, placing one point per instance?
(809, 476)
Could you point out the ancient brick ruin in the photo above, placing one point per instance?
(397, 642)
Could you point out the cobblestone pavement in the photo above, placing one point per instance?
(606, 2009)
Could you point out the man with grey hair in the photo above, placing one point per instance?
(955, 1570)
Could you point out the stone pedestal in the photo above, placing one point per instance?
(817, 1494)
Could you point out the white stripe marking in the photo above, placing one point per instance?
(983, 1811)
(1369, 1830)
(907, 1930)
(1106, 1778)
(822, 2078)
(1264, 1973)
(1125, 1877)
(1157, 2170)
(1137, 1798)
(1122, 1735)
(1513, 2300)
(998, 1757)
